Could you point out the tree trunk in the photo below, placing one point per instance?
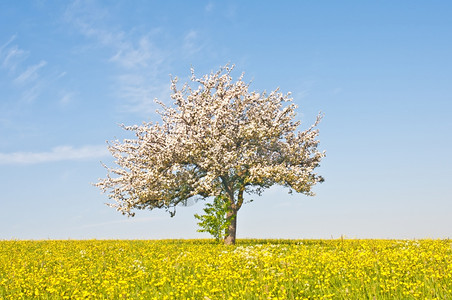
(232, 228)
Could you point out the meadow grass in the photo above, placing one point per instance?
(202, 269)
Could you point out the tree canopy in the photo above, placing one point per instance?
(217, 138)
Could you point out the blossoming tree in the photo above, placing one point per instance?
(216, 139)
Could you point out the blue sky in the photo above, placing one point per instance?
(70, 72)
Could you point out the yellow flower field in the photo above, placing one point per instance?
(200, 269)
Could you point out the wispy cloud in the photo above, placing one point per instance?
(127, 50)
(192, 45)
(32, 92)
(66, 98)
(130, 56)
(11, 39)
(140, 92)
(61, 153)
(305, 87)
(209, 7)
(11, 55)
(142, 59)
(61, 75)
(30, 73)
(24, 76)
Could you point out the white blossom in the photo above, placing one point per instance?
(216, 138)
